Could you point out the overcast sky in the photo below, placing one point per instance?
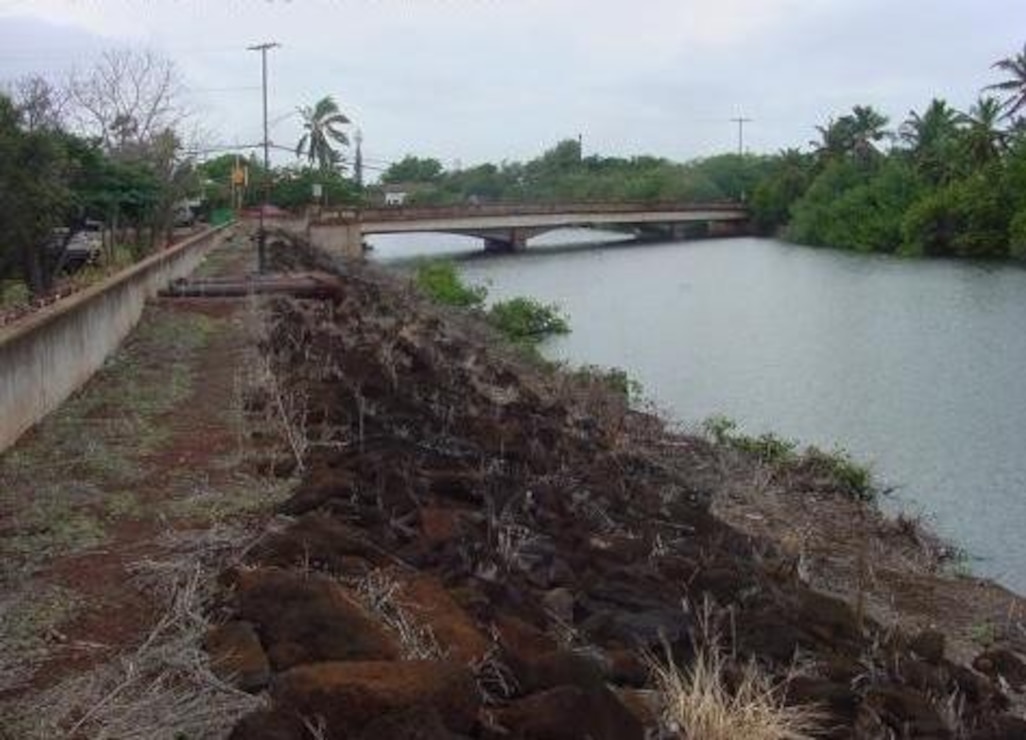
(469, 81)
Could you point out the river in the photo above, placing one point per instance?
(917, 367)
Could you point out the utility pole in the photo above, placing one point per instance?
(741, 121)
(262, 235)
(358, 162)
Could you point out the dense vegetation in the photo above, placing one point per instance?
(562, 174)
(91, 150)
(944, 182)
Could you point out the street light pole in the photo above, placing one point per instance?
(262, 234)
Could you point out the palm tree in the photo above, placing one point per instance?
(867, 128)
(852, 134)
(321, 123)
(931, 138)
(1015, 85)
(983, 140)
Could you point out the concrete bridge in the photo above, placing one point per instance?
(507, 227)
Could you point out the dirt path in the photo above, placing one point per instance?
(150, 455)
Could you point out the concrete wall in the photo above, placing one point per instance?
(47, 355)
(344, 240)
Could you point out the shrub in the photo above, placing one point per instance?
(525, 320)
(853, 478)
(440, 281)
(848, 476)
(614, 378)
(1017, 235)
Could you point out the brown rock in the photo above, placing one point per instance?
(349, 696)
(1004, 727)
(320, 542)
(837, 698)
(1003, 663)
(571, 713)
(269, 724)
(906, 711)
(828, 619)
(644, 705)
(557, 668)
(309, 618)
(430, 604)
(521, 640)
(416, 723)
(237, 657)
(439, 525)
(318, 487)
(929, 645)
(626, 668)
(559, 602)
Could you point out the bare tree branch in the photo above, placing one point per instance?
(127, 98)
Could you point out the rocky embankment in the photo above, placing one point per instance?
(480, 548)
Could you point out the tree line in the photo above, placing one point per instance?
(105, 145)
(944, 182)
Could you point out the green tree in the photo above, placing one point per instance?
(1015, 84)
(34, 196)
(932, 139)
(853, 135)
(983, 140)
(411, 169)
(785, 182)
(322, 124)
(967, 218)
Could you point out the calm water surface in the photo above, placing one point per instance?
(918, 367)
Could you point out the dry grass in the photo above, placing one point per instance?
(380, 594)
(697, 702)
(716, 698)
(164, 688)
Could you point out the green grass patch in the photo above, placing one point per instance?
(13, 293)
(223, 503)
(51, 523)
(78, 469)
(836, 466)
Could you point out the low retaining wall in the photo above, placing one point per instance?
(47, 355)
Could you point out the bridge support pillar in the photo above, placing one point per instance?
(343, 240)
(515, 240)
(678, 231)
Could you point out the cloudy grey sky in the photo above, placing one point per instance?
(484, 80)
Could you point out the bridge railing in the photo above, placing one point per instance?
(469, 210)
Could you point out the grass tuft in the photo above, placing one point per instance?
(697, 703)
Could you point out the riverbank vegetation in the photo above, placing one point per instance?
(844, 474)
(523, 321)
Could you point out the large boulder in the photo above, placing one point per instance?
(350, 696)
(308, 618)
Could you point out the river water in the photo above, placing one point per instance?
(917, 367)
